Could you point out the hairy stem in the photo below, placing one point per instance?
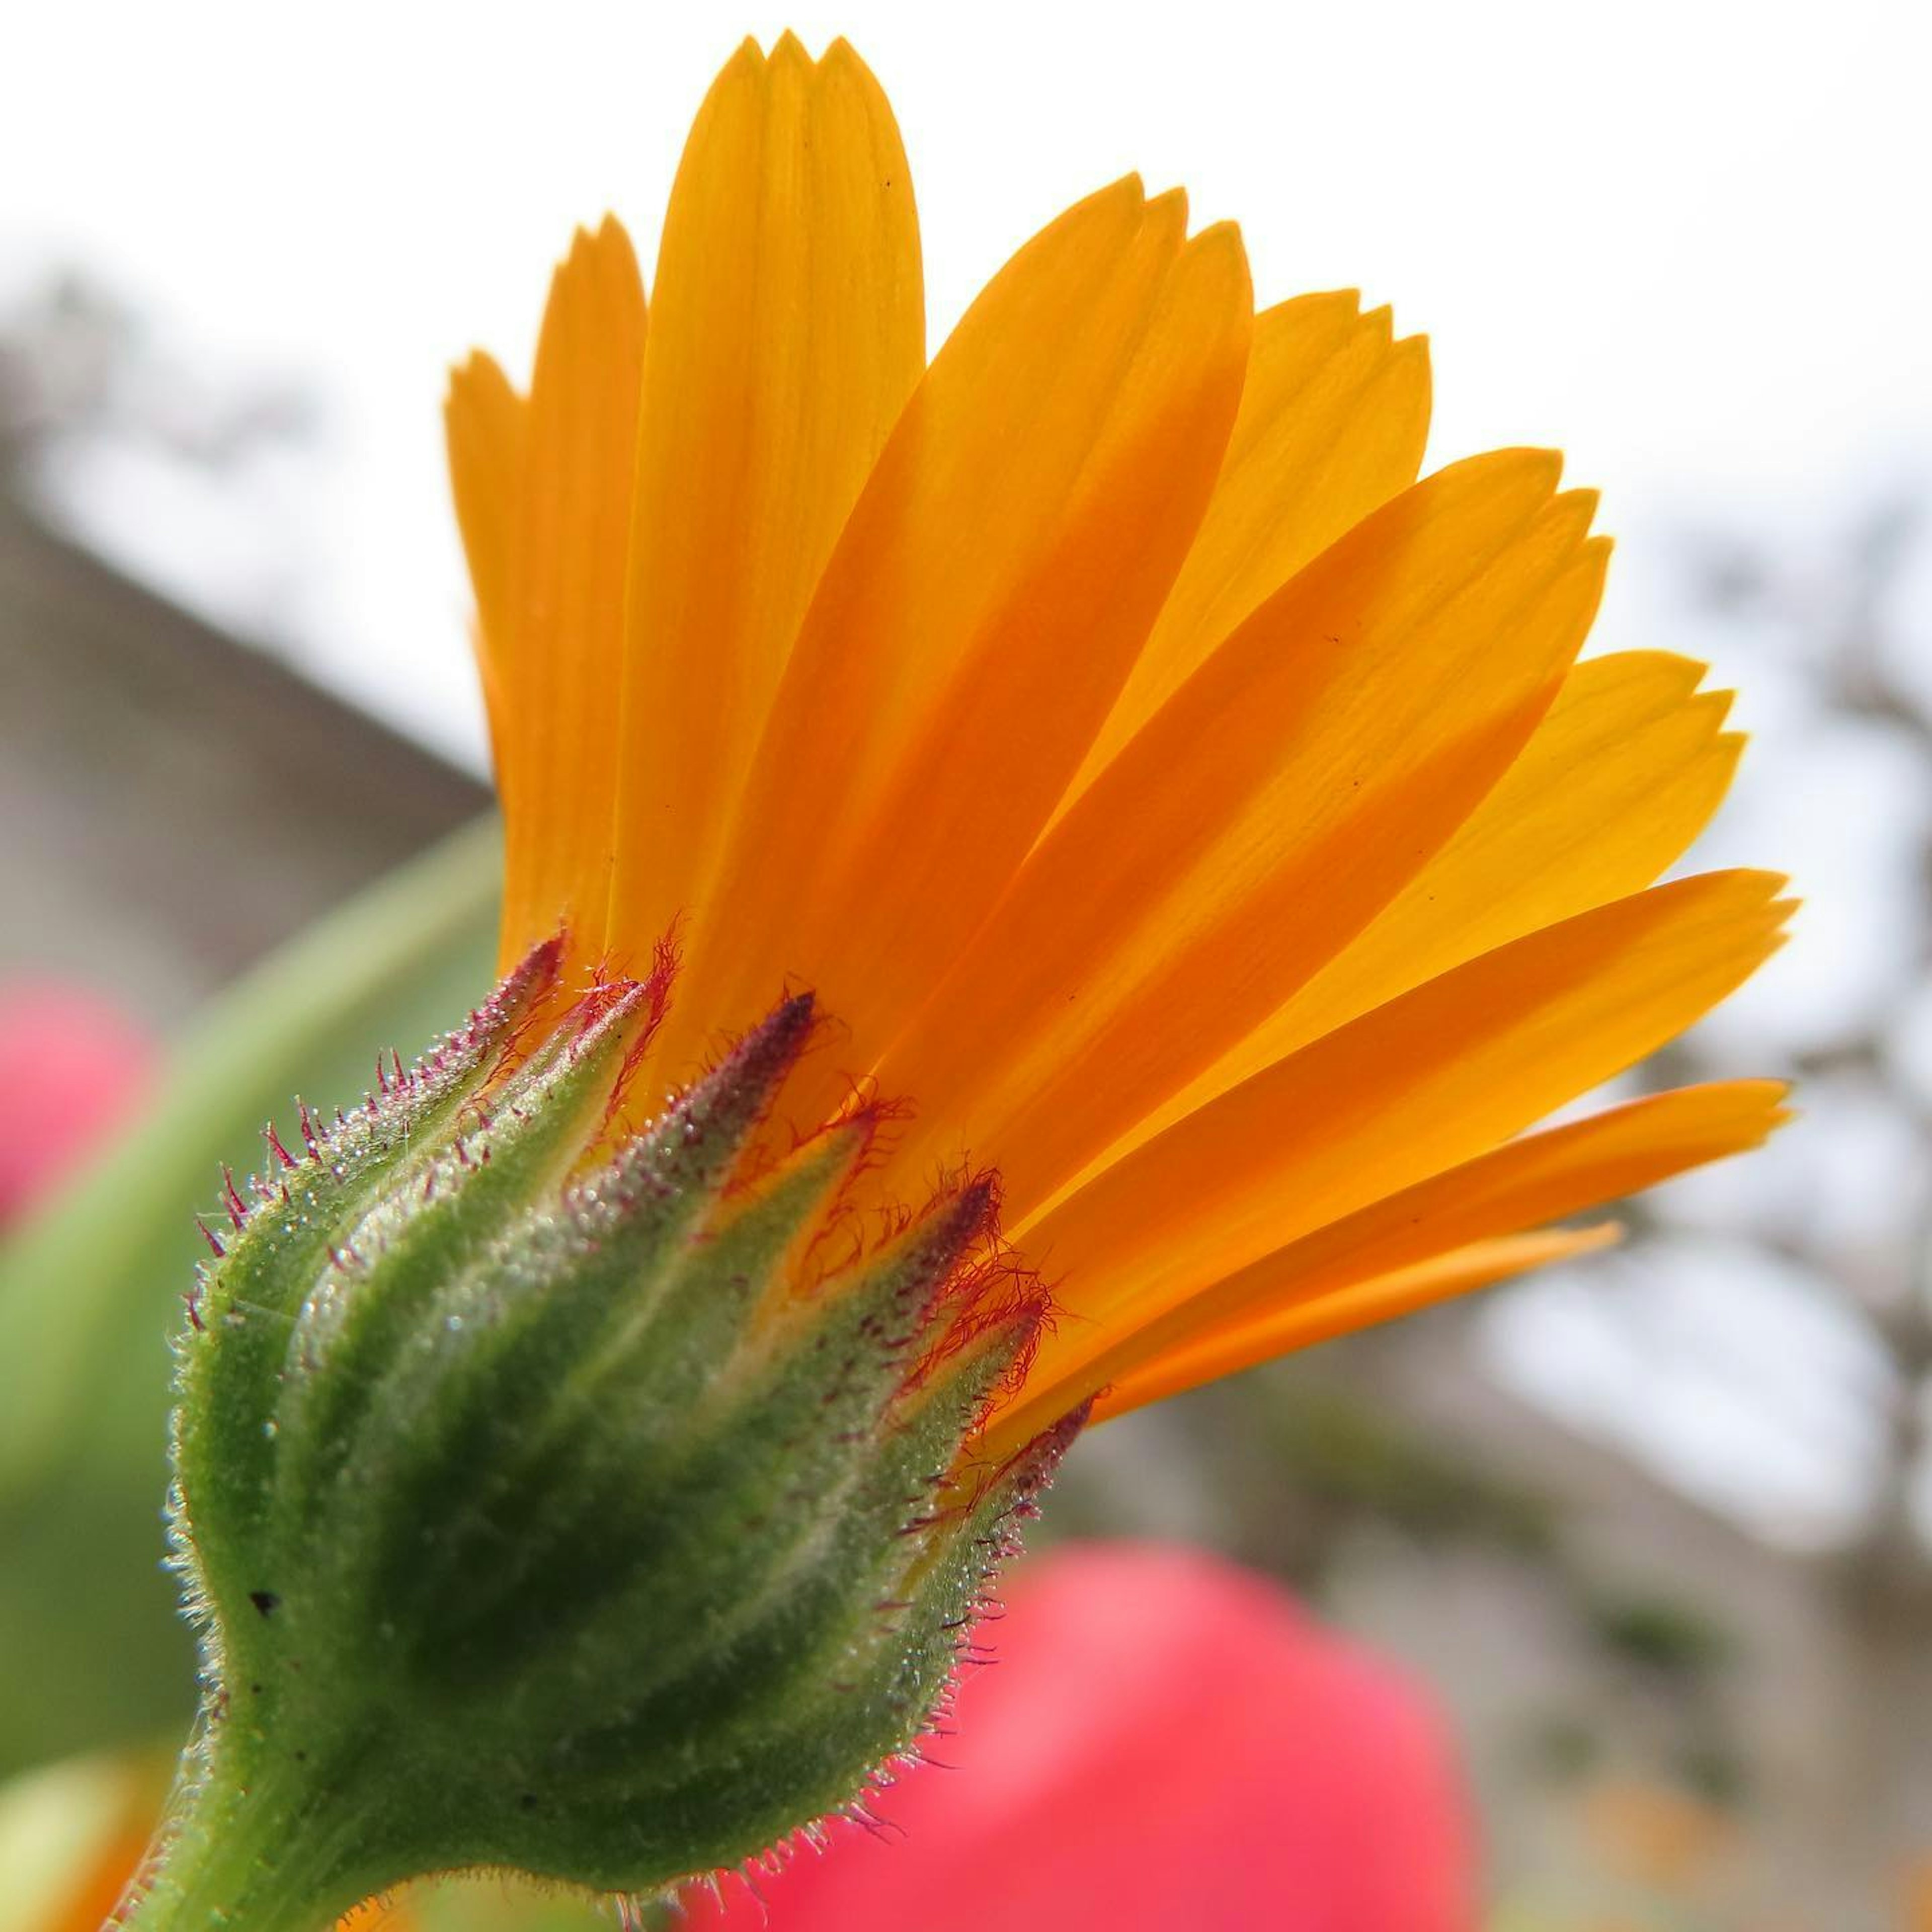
(276, 1846)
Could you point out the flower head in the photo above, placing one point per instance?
(1180, 809)
(1212, 856)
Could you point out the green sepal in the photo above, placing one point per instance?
(442, 1215)
(283, 1243)
(564, 1512)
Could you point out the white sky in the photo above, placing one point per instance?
(1685, 241)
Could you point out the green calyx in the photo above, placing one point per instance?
(536, 1513)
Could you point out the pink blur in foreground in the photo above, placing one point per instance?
(72, 1066)
(1166, 1741)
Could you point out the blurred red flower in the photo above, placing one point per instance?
(72, 1066)
(1166, 1741)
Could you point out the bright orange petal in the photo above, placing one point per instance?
(1434, 1237)
(1271, 809)
(787, 331)
(566, 657)
(485, 424)
(1333, 418)
(982, 766)
(379, 1915)
(485, 421)
(983, 604)
(1434, 1078)
(1618, 780)
(1363, 1304)
(97, 1891)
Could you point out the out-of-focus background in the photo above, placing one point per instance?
(1659, 1530)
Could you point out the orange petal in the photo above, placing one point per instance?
(982, 767)
(379, 1916)
(1102, 341)
(1426, 1241)
(1434, 1078)
(1618, 780)
(97, 1890)
(787, 331)
(1364, 1304)
(1333, 418)
(485, 423)
(557, 713)
(73, 1836)
(1284, 794)
(542, 491)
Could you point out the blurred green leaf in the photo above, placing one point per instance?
(91, 1290)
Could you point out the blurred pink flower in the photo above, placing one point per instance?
(1166, 1741)
(72, 1066)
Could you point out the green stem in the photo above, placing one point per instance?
(266, 1849)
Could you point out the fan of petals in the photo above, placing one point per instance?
(1182, 808)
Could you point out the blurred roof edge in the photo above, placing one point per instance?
(150, 763)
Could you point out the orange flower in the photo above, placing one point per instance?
(1182, 808)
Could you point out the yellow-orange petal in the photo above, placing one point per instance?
(1334, 416)
(484, 426)
(484, 422)
(985, 760)
(95, 1892)
(1616, 781)
(1429, 1080)
(554, 713)
(1432, 1238)
(967, 509)
(787, 331)
(1364, 1304)
(1278, 801)
(379, 1914)
(72, 1835)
